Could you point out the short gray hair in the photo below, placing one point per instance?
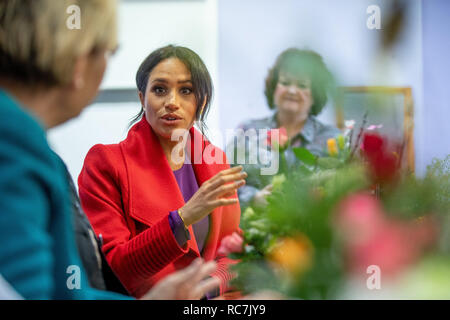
(37, 46)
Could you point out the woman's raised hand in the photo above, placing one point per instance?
(212, 194)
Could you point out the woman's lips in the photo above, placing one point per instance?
(171, 121)
(170, 116)
(292, 99)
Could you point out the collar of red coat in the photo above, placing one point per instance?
(153, 189)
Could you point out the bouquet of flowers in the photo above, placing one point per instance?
(349, 225)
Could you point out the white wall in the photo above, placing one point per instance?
(436, 46)
(143, 27)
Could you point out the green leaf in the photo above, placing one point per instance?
(304, 170)
(248, 214)
(305, 156)
(236, 256)
(328, 163)
(278, 180)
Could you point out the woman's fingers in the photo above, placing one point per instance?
(189, 272)
(226, 172)
(205, 270)
(177, 285)
(227, 189)
(223, 184)
(217, 181)
(206, 286)
(223, 202)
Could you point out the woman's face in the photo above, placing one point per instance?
(293, 95)
(169, 102)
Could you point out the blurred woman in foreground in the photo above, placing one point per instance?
(48, 75)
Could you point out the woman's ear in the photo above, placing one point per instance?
(142, 99)
(79, 72)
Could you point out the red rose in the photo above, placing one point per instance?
(383, 162)
(280, 137)
(372, 144)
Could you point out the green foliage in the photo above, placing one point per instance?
(278, 181)
(305, 156)
(303, 202)
(439, 172)
(413, 198)
(328, 163)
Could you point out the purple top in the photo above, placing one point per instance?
(188, 185)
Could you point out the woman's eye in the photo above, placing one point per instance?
(159, 90)
(298, 84)
(186, 91)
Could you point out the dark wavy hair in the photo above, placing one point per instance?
(200, 77)
(302, 63)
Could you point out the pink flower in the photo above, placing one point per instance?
(374, 126)
(393, 247)
(230, 244)
(280, 135)
(370, 238)
(359, 217)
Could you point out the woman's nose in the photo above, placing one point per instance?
(292, 89)
(172, 101)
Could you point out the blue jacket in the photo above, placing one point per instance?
(38, 253)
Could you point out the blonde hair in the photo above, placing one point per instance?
(37, 45)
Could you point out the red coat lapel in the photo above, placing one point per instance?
(205, 170)
(153, 189)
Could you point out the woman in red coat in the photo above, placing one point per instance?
(164, 195)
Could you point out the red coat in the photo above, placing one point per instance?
(127, 191)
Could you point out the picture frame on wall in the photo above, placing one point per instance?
(389, 109)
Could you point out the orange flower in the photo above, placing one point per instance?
(332, 147)
(293, 255)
